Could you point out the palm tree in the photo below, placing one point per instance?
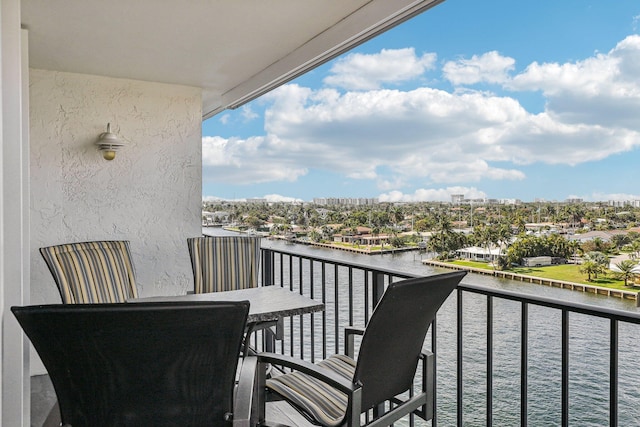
(635, 247)
(590, 267)
(396, 215)
(626, 270)
(574, 247)
(486, 237)
(600, 260)
(441, 237)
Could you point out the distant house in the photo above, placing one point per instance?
(605, 236)
(476, 253)
(362, 239)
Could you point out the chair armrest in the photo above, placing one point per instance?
(308, 368)
(245, 392)
(349, 345)
(426, 354)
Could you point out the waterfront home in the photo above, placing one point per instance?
(477, 253)
(605, 236)
(363, 239)
(149, 72)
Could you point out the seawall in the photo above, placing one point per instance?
(363, 250)
(630, 295)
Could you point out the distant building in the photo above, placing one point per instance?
(624, 203)
(605, 236)
(510, 201)
(345, 201)
(457, 199)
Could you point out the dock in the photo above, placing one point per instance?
(361, 250)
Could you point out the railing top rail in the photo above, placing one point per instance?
(605, 312)
(394, 273)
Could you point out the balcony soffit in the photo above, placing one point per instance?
(233, 50)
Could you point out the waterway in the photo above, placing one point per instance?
(588, 351)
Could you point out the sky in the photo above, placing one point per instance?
(495, 99)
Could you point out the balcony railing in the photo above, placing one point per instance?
(503, 358)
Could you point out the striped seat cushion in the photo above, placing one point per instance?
(92, 272)
(318, 400)
(224, 263)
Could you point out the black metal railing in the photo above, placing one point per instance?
(488, 334)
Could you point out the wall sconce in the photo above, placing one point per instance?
(109, 143)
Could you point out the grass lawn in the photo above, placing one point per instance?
(565, 272)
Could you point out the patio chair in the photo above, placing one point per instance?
(229, 263)
(338, 390)
(144, 364)
(92, 272)
(224, 263)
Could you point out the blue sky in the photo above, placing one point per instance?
(499, 99)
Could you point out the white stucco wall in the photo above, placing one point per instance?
(150, 194)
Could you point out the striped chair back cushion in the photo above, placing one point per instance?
(92, 272)
(224, 263)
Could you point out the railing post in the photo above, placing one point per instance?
(267, 267)
(376, 293)
(377, 287)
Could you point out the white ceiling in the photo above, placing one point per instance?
(235, 50)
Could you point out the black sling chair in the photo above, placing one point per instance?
(336, 391)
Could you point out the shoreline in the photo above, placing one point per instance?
(345, 248)
(580, 287)
(598, 290)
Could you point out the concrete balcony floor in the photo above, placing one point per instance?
(43, 398)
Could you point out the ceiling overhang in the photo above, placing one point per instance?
(234, 51)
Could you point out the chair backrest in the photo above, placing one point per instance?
(224, 263)
(92, 272)
(139, 364)
(393, 339)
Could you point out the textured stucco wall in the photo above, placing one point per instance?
(150, 194)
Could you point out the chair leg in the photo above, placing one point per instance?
(259, 401)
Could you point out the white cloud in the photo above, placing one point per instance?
(390, 184)
(358, 71)
(224, 119)
(601, 90)
(432, 137)
(394, 137)
(432, 195)
(212, 198)
(270, 198)
(490, 67)
(247, 161)
(277, 198)
(248, 114)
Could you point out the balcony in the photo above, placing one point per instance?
(503, 358)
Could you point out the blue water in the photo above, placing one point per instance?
(589, 350)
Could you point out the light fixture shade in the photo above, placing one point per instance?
(109, 143)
